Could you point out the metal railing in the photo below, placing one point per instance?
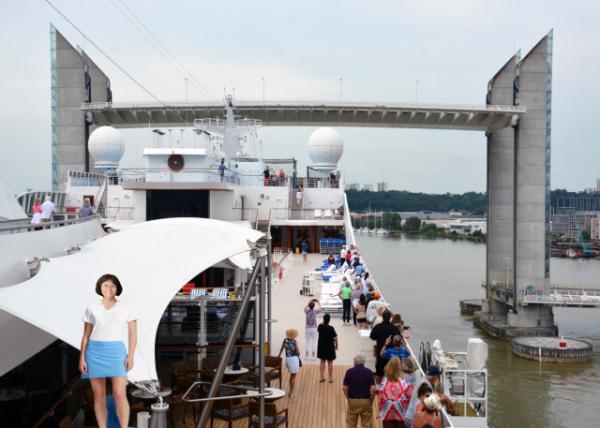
(68, 391)
(185, 397)
(140, 175)
(48, 225)
(310, 214)
(455, 379)
(258, 104)
(320, 183)
(27, 199)
(82, 178)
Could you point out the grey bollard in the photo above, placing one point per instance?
(143, 419)
(159, 415)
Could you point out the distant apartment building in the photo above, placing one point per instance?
(595, 228)
(368, 187)
(352, 186)
(382, 186)
(570, 223)
(560, 223)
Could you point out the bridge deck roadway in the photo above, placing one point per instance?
(310, 113)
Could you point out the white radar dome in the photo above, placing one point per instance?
(107, 147)
(325, 147)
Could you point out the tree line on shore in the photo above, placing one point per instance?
(413, 226)
(471, 203)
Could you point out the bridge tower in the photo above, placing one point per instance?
(518, 188)
(75, 79)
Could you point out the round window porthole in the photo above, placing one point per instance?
(176, 163)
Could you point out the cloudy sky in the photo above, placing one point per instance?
(379, 48)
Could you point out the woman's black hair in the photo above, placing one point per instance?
(362, 300)
(326, 319)
(424, 389)
(108, 277)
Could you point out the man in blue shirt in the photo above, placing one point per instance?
(222, 169)
(359, 389)
(359, 269)
(394, 348)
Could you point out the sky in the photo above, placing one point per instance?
(379, 49)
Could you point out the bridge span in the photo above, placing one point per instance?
(487, 118)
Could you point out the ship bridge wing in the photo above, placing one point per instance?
(153, 260)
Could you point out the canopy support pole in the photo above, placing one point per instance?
(261, 343)
(233, 334)
(269, 288)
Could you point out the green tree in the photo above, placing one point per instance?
(428, 230)
(478, 235)
(391, 221)
(412, 225)
(585, 236)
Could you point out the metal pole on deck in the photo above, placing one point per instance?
(269, 289)
(261, 344)
(233, 334)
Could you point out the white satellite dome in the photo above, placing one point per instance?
(107, 147)
(325, 147)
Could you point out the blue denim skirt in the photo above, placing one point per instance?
(105, 359)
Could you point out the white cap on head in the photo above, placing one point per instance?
(432, 402)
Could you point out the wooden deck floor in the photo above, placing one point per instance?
(321, 405)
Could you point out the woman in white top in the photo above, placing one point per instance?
(108, 325)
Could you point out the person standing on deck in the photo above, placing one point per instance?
(299, 196)
(47, 210)
(348, 257)
(108, 325)
(380, 333)
(37, 212)
(394, 396)
(292, 356)
(86, 209)
(365, 282)
(394, 347)
(346, 295)
(355, 298)
(311, 328)
(304, 250)
(222, 170)
(326, 348)
(359, 389)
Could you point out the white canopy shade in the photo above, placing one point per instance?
(153, 260)
(9, 207)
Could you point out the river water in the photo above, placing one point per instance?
(424, 280)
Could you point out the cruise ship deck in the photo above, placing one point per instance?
(317, 404)
(288, 311)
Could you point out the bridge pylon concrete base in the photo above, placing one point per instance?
(529, 321)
